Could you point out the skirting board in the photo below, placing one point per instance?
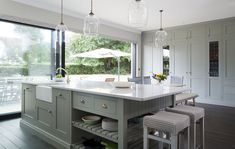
(58, 143)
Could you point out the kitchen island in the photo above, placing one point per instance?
(59, 121)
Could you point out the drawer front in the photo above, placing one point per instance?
(104, 105)
(82, 101)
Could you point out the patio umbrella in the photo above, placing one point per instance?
(104, 53)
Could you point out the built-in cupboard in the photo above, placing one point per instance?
(202, 53)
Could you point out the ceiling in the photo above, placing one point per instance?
(176, 12)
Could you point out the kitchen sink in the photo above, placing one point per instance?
(44, 91)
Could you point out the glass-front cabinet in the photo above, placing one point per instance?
(166, 60)
(214, 59)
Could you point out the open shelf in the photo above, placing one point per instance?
(78, 146)
(97, 130)
(134, 139)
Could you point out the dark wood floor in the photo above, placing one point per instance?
(14, 137)
(219, 127)
(219, 131)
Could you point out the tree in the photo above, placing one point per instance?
(80, 43)
(37, 51)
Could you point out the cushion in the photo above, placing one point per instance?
(195, 113)
(185, 96)
(167, 121)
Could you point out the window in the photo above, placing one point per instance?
(91, 67)
(25, 54)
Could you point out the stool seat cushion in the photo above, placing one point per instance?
(195, 113)
(167, 121)
(185, 96)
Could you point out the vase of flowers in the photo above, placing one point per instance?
(159, 77)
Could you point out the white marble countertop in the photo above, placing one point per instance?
(138, 92)
(43, 83)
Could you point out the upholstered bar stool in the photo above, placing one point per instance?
(163, 121)
(184, 97)
(196, 114)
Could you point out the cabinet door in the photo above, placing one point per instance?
(62, 113)
(44, 114)
(28, 101)
(148, 64)
(181, 60)
(198, 69)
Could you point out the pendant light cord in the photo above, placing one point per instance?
(161, 20)
(91, 12)
(62, 12)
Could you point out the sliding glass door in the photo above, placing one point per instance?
(25, 55)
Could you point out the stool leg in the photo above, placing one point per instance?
(194, 103)
(194, 136)
(189, 134)
(186, 102)
(174, 141)
(179, 141)
(146, 140)
(160, 144)
(202, 133)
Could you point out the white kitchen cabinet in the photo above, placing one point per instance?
(181, 58)
(148, 63)
(62, 113)
(29, 102)
(197, 64)
(152, 59)
(229, 56)
(44, 114)
(190, 57)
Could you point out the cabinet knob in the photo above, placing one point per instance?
(83, 101)
(104, 106)
(49, 111)
(27, 88)
(60, 95)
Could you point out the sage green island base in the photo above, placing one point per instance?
(59, 122)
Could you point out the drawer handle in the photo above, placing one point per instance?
(27, 88)
(49, 111)
(104, 106)
(83, 101)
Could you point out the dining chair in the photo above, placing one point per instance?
(109, 79)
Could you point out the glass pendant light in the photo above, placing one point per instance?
(160, 35)
(62, 27)
(91, 23)
(138, 13)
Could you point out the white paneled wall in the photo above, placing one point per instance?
(189, 57)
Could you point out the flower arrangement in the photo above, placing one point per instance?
(159, 77)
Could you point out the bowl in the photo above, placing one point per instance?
(91, 119)
(122, 84)
(109, 124)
